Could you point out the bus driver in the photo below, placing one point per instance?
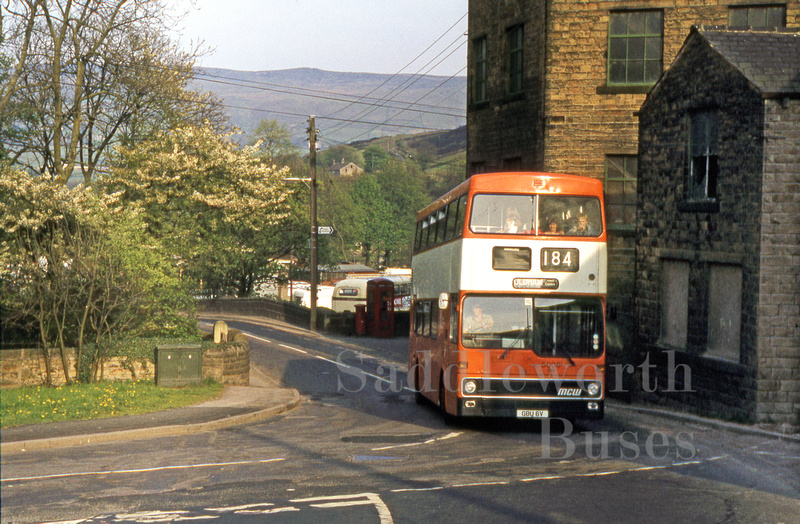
(478, 321)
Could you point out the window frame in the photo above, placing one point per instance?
(703, 151)
(480, 70)
(614, 37)
(611, 206)
(750, 10)
(515, 39)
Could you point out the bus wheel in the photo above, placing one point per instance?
(419, 398)
(448, 418)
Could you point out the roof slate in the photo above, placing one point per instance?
(769, 59)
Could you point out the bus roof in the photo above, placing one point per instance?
(520, 182)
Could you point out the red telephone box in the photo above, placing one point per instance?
(380, 307)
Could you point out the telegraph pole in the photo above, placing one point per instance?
(312, 158)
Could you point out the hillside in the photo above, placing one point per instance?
(347, 106)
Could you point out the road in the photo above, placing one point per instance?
(358, 448)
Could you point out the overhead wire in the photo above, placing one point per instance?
(391, 93)
(372, 103)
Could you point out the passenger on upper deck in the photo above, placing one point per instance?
(513, 221)
(553, 227)
(583, 228)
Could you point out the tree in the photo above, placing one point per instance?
(273, 143)
(375, 158)
(216, 208)
(78, 269)
(376, 212)
(89, 75)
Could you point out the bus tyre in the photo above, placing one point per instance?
(447, 417)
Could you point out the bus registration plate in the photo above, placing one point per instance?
(532, 413)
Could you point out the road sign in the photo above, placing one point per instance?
(324, 230)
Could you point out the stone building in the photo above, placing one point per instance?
(718, 227)
(345, 169)
(557, 86)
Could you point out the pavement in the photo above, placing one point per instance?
(238, 405)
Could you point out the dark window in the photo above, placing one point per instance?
(515, 59)
(635, 47)
(511, 258)
(441, 225)
(621, 189)
(452, 217)
(426, 227)
(703, 164)
(479, 71)
(757, 17)
(418, 237)
(426, 318)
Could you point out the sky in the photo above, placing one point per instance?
(366, 36)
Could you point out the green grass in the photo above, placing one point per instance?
(35, 405)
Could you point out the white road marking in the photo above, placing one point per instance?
(335, 363)
(143, 470)
(429, 441)
(259, 338)
(358, 499)
(292, 348)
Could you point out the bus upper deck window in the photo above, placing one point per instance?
(572, 216)
(508, 214)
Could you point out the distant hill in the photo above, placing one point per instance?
(347, 106)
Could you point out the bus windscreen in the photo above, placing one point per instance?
(549, 326)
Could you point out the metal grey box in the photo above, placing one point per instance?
(179, 365)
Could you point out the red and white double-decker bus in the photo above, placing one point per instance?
(509, 297)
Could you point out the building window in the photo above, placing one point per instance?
(703, 165)
(621, 189)
(479, 71)
(757, 17)
(725, 312)
(515, 59)
(635, 47)
(674, 303)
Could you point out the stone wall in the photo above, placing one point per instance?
(26, 367)
(261, 307)
(753, 225)
(778, 332)
(569, 119)
(227, 363)
(505, 131)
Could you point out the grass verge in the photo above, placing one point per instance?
(35, 405)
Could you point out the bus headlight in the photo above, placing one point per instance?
(470, 387)
(593, 388)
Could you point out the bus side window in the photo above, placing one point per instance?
(452, 209)
(423, 238)
(418, 236)
(431, 241)
(454, 318)
(434, 312)
(462, 213)
(442, 225)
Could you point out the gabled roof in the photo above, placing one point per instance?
(770, 60)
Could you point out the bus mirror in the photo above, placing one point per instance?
(444, 300)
